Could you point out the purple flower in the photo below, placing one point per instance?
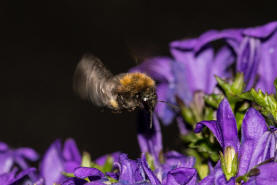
(102, 159)
(150, 142)
(254, 52)
(19, 157)
(57, 160)
(13, 177)
(255, 147)
(257, 56)
(189, 71)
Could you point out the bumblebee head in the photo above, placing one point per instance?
(136, 90)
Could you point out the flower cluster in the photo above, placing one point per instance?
(220, 88)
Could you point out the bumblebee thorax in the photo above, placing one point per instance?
(136, 90)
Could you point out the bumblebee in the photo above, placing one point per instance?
(122, 92)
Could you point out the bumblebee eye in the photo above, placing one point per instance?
(145, 99)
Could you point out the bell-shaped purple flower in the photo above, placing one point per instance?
(57, 160)
(257, 56)
(255, 147)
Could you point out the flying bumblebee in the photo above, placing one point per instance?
(122, 92)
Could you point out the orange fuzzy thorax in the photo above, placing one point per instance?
(135, 82)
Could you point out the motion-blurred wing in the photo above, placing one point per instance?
(92, 81)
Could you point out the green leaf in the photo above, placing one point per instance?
(232, 91)
(267, 102)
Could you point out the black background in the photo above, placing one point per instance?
(42, 41)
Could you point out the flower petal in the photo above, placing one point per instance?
(28, 153)
(71, 152)
(150, 140)
(261, 31)
(213, 126)
(181, 176)
(92, 173)
(158, 68)
(267, 175)
(164, 93)
(52, 164)
(228, 126)
(253, 127)
(153, 179)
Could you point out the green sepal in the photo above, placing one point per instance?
(267, 102)
(208, 114)
(234, 168)
(70, 175)
(112, 180)
(199, 166)
(232, 91)
(187, 115)
(150, 161)
(205, 148)
(108, 166)
(213, 100)
(275, 85)
(239, 118)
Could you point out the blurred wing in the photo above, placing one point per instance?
(92, 81)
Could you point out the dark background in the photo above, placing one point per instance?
(42, 41)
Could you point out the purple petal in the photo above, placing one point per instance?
(6, 162)
(150, 140)
(225, 128)
(207, 180)
(27, 153)
(181, 126)
(224, 58)
(261, 31)
(253, 127)
(183, 80)
(227, 124)
(129, 170)
(102, 160)
(158, 68)
(177, 160)
(69, 166)
(152, 178)
(248, 60)
(3, 147)
(195, 70)
(181, 176)
(214, 128)
(91, 173)
(208, 37)
(22, 174)
(264, 149)
(52, 164)
(6, 178)
(164, 93)
(74, 181)
(267, 68)
(71, 152)
(267, 175)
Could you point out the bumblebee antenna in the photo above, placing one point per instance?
(176, 108)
